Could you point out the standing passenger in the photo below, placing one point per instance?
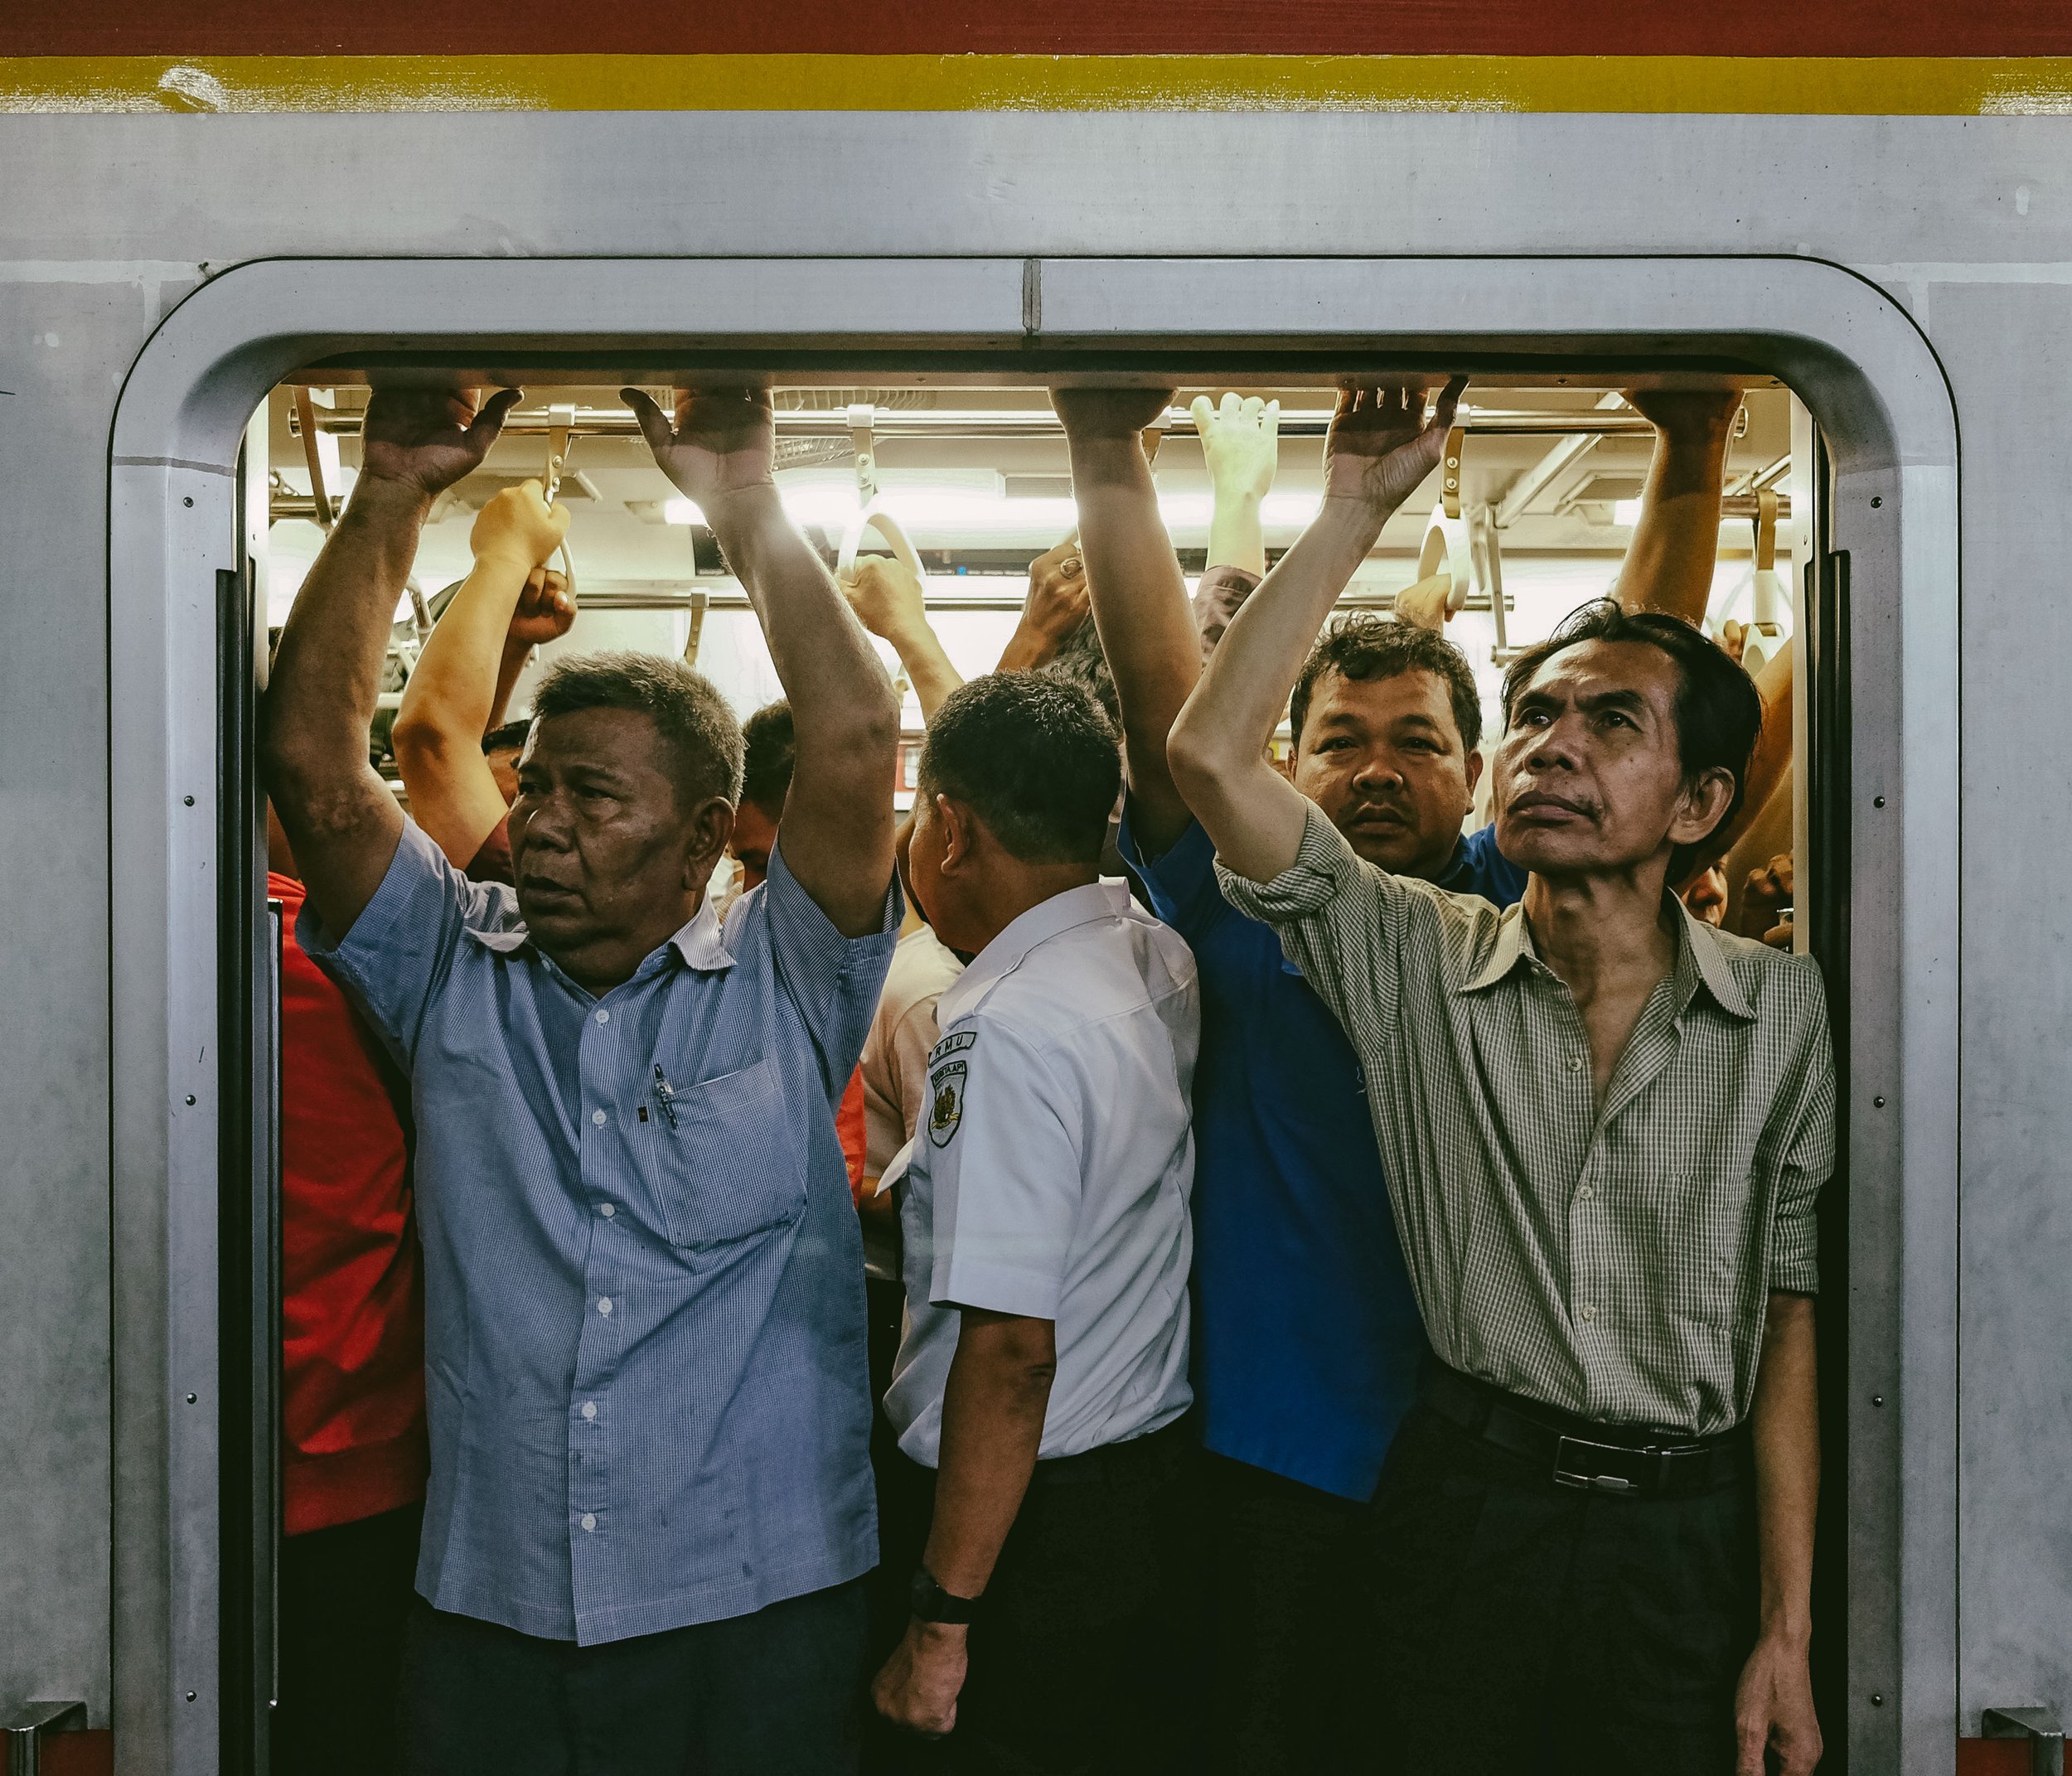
(1604, 1125)
(1306, 1334)
(650, 1499)
(352, 1371)
(1044, 1368)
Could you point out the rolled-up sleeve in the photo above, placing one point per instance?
(834, 981)
(396, 958)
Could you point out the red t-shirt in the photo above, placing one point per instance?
(352, 1311)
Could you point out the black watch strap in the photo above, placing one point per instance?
(930, 1602)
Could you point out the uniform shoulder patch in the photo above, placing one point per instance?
(945, 1101)
(955, 1043)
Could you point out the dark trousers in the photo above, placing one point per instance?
(344, 1594)
(1528, 1626)
(1286, 1662)
(772, 1694)
(1076, 1665)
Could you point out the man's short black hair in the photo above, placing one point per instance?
(691, 716)
(1719, 711)
(1364, 647)
(510, 738)
(768, 750)
(1035, 757)
(1082, 661)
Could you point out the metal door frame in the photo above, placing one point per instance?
(1852, 355)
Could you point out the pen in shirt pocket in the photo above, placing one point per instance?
(664, 1095)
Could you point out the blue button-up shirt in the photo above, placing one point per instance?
(645, 1359)
(1306, 1336)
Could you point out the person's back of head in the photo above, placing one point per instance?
(1019, 775)
(769, 750)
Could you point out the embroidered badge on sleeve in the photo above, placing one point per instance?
(946, 1111)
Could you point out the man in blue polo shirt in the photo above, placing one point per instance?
(650, 1501)
(1307, 1339)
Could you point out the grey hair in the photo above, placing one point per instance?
(693, 718)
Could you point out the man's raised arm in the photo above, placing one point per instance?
(1668, 564)
(1379, 452)
(1139, 599)
(838, 819)
(339, 816)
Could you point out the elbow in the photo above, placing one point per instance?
(420, 742)
(1195, 756)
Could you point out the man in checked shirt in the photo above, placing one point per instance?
(1604, 1125)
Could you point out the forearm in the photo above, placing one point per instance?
(327, 674)
(1669, 563)
(511, 667)
(1237, 532)
(1784, 1425)
(467, 668)
(824, 661)
(1140, 610)
(928, 668)
(993, 1408)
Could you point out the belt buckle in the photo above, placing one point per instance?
(1566, 1474)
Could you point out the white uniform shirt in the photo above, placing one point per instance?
(1050, 1174)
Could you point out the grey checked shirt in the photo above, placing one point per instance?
(1615, 1261)
(645, 1363)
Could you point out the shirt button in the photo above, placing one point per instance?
(1576, 1063)
(608, 1212)
(597, 1117)
(605, 1304)
(589, 1521)
(1586, 1192)
(602, 1015)
(1586, 1311)
(589, 1409)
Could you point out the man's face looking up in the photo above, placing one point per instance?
(1382, 758)
(1589, 778)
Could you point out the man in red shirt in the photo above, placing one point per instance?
(352, 1370)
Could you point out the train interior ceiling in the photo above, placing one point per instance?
(1551, 477)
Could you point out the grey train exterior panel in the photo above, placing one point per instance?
(1887, 267)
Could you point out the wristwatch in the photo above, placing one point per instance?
(930, 1602)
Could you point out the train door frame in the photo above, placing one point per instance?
(1856, 359)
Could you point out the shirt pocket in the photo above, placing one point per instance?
(725, 1160)
(1706, 1245)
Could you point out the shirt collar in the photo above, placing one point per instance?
(1045, 920)
(698, 941)
(1701, 961)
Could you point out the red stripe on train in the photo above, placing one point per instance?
(1310, 27)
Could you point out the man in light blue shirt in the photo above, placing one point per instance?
(650, 1494)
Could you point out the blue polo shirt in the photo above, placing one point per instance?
(1306, 1338)
(645, 1366)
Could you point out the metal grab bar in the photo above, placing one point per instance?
(23, 1732)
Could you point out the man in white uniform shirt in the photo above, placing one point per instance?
(1044, 1370)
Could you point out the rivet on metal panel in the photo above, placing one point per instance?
(192, 1398)
(190, 1695)
(1877, 1399)
(1877, 1699)
(1875, 502)
(1879, 1102)
(187, 500)
(1877, 801)
(188, 800)
(190, 1097)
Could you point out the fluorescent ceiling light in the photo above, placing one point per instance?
(952, 512)
(1625, 512)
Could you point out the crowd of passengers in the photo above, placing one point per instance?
(1171, 1258)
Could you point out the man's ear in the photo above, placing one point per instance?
(705, 837)
(960, 834)
(1474, 776)
(1704, 805)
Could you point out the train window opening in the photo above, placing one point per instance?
(1531, 515)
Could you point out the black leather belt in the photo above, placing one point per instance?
(1578, 1452)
